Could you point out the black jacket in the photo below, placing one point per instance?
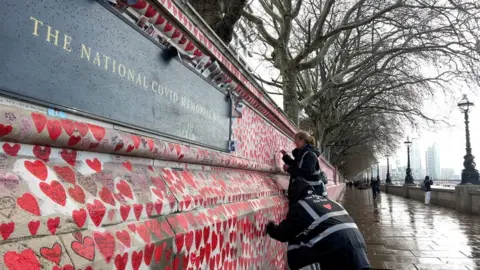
(310, 165)
(319, 230)
(428, 184)
(376, 185)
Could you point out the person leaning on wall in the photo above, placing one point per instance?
(319, 231)
(305, 164)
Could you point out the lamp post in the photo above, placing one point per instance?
(378, 172)
(408, 177)
(469, 173)
(388, 180)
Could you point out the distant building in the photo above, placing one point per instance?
(416, 160)
(398, 174)
(447, 173)
(383, 172)
(432, 162)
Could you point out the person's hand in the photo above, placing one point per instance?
(285, 167)
(283, 152)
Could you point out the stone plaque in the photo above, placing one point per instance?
(79, 55)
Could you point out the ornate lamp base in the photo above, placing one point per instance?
(470, 176)
(409, 177)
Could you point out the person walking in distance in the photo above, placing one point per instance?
(304, 163)
(319, 231)
(428, 188)
(375, 188)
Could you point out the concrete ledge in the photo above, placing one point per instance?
(439, 196)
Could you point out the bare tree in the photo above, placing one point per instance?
(346, 40)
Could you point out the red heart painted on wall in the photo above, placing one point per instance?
(69, 157)
(159, 207)
(6, 229)
(94, 164)
(168, 27)
(148, 253)
(159, 248)
(214, 240)
(124, 211)
(68, 126)
(149, 209)
(125, 189)
(127, 165)
(79, 217)
(136, 141)
(144, 233)
(189, 240)
(132, 227)
(130, 148)
(65, 267)
(40, 121)
(198, 238)
(124, 237)
(96, 211)
(150, 144)
(85, 249)
(77, 194)
(11, 150)
(111, 214)
(82, 128)
(137, 209)
(121, 261)
(54, 128)
(54, 191)
(168, 253)
(106, 244)
(53, 254)
(97, 131)
(73, 140)
(107, 196)
(206, 234)
(66, 173)
(137, 259)
(118, 146)
(52, 224)
(33, 226)
(37, 168)
(21, 261)
(189, 46)
(179, 241)
(28, 203)
(78, 236)
(176, 34)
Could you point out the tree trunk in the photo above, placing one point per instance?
(290, 99)
(319, 134)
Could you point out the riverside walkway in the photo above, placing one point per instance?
(406, 234)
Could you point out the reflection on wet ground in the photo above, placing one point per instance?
(406, 234)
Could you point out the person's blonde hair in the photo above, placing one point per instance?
(303, 135)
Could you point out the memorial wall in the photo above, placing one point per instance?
(133, 143)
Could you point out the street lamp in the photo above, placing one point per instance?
(388, 180)
(469, 173)
(378, 172)
(408, 177)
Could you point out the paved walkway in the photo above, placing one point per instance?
(406, 234)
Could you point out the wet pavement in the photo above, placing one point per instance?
(406, 234)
